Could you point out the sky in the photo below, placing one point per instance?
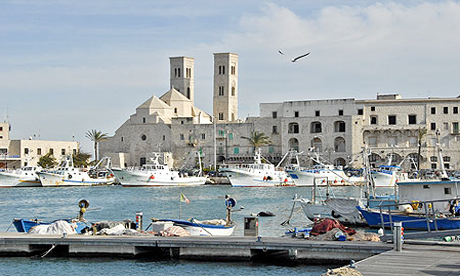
(67, 67)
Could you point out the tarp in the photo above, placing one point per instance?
(57, 227)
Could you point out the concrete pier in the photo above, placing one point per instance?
(192, 248)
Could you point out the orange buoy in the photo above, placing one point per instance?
(152, 177)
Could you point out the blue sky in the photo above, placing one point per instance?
(71, 66)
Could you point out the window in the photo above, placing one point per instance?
(372, 108)
(26, 150)
(223, 70)
(446, 158)
(412, 141)
(392, 119)
(221, 116)
(447, 190)
(233, 90)
(274, 114)
(392, 141)
(51, 151)
(412, 119)
(315, 127)
(221, 133)
(274, 129)
(181, 122)
(181, 136)
(340, 112)
(339, 144)
(233, 70)
(143, 120)
(39, 151)
(221, 91)
(372, 141)
(1, 128)
(178, 72)
(433, 110)
(455, 129)
(230, 136)
(317, 113)
(455, 110)
(446, 126)
(433, 126)
(271, 149)
(446, 110)
(62, 151)
(360, 111)
(175, 110)
(203, 136)
(293, 128)
(373, 120)
(339, 126)
(188, 92)
(296, 113)
(434, 159)
(434, 166)
(74, 152)
(164, 137)
(121, 139)
(236, 150)
(143, 137)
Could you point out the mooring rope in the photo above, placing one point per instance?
(47, 252)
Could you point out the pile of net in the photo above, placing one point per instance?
(174, 231)
(330, 229)
(116, 228)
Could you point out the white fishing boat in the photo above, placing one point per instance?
(329, 175)
(257, 174)
(68, 175)
(156, 174)
(386, 175)
(23, 177)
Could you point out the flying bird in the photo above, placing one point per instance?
(296, 58)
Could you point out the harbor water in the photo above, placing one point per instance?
(117, 203)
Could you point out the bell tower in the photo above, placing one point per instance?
(182, 76)
(225, 92)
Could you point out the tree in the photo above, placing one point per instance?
(257, 139)
(96, 136)
(421, 133)
(47, 161)
(81, 159)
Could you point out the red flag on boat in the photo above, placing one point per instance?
(183, 198)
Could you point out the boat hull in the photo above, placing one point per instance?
(8, 180)
(323, 178)
(373, 218)
(246, 179)
(202, 229)
(133, 179)
(57, 180)
(325, 210)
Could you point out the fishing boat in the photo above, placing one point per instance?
(257, 174)
(427, 219)
(78, 224)
(156, 174)
(386, 175)
(67, 175)
(213, 227)
(329, 174)
(24, 177)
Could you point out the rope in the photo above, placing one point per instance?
(47, 252)
(9, 227)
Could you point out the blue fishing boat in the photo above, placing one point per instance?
(410, 221)
(24, 225)
(217, 227)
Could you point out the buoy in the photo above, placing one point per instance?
(285, 180)
(152, 177)
(335, 181)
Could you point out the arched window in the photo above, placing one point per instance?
(293, 128)
(339, 144)
(315, 127)
(339, 126)
(340, 162)
(317, 144)
(293, 144)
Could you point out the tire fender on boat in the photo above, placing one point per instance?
(69, 176)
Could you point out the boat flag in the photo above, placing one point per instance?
(183, 198)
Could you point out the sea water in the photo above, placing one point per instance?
(117, 203)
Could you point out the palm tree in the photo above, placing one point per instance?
(96, 136)
(257, 139)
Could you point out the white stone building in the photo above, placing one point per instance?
(19, 153)
(337, 129)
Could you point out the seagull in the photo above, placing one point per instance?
(296, 58)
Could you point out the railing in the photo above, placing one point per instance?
(429, 214)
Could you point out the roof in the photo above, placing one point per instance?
(173, 95)
(154, 103)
